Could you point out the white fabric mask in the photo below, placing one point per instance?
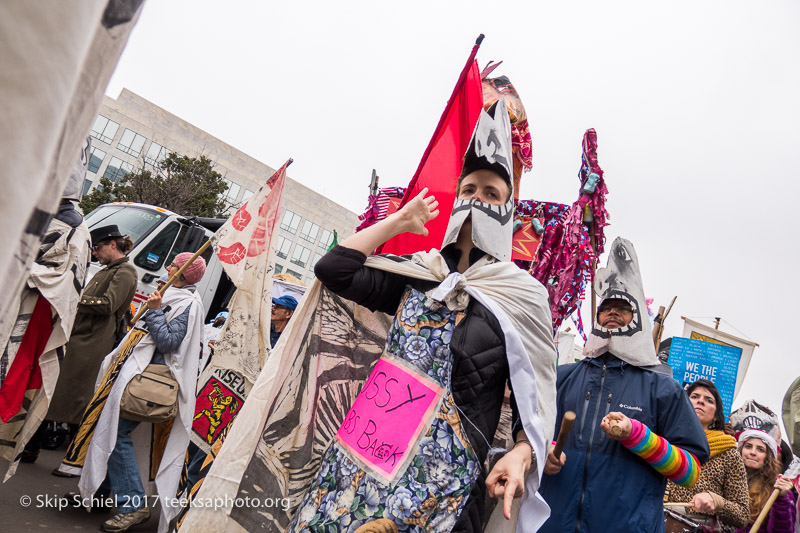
(621, 280)
(489, 149)
(492, 226)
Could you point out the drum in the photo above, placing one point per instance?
(678, 523)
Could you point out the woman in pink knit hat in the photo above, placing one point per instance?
(170, 333)
(760, 452)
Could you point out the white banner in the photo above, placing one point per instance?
(245, 246)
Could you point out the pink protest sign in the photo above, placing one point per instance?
(395, 405)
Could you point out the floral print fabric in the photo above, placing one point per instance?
(429, 495)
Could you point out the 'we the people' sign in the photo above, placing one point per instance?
(692, 359)
(395, 405)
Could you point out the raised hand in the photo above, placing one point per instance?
(416, 213)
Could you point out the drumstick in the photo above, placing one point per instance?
(763, 514)
(566, 425)
(615, 428)
(678, 504)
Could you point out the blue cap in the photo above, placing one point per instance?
(286, 301)
(163, 279)
(221, 314)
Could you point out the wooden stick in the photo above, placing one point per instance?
(566, 426)
(664, 321)
(763, 514)
(615, 428)
(171, 280)
(677, 504)
(670, 307)
(658, 324)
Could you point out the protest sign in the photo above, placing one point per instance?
(693, 359)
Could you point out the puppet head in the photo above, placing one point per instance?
(489, 149)
(621, 280)
(753, 415)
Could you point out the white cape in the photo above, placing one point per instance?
(183, 365)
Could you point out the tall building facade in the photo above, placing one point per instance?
(131, 132)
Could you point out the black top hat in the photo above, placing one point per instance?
(104, 233)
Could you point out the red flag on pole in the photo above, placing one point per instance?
(441, 164)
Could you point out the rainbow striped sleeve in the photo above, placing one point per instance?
(675, 464)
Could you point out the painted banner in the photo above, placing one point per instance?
(385, 421)
(217, 403)
(701, 332)
(693, 359)
(244, 245)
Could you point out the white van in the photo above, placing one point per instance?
(158, 236)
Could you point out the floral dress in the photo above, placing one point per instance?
(401, 452)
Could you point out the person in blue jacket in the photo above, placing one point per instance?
(635, 427)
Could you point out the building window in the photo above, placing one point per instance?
(300, 256)
(290, 222)
(326, 239)
(295, 274)
(131, 142)
(310, 231)
(96, 159)
(283, 247)
(317, 257)
(232, 192)
(86, 186)
(117, 169)
(246, 195)
(278, 268)
(155, 154)
(104, 129)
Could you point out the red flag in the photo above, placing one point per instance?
(441, 164)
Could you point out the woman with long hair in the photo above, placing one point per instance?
(759, 453)
(719, 498)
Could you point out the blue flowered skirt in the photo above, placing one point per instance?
(401, 452)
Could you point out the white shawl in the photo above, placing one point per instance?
(183, 365)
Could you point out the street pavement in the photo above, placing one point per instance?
(29, 501)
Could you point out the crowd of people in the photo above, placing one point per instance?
(468, 325)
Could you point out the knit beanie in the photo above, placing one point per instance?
(766, 438)
(193, 272)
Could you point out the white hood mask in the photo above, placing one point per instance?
(490, 148)
(74, 188)
(621, 280)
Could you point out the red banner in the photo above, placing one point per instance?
(441, 164)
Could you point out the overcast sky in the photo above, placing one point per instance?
(695, 105)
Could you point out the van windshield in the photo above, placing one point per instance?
(135, 222)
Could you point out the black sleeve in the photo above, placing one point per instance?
(343, 272)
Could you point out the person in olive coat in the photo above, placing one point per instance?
(102, 305)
